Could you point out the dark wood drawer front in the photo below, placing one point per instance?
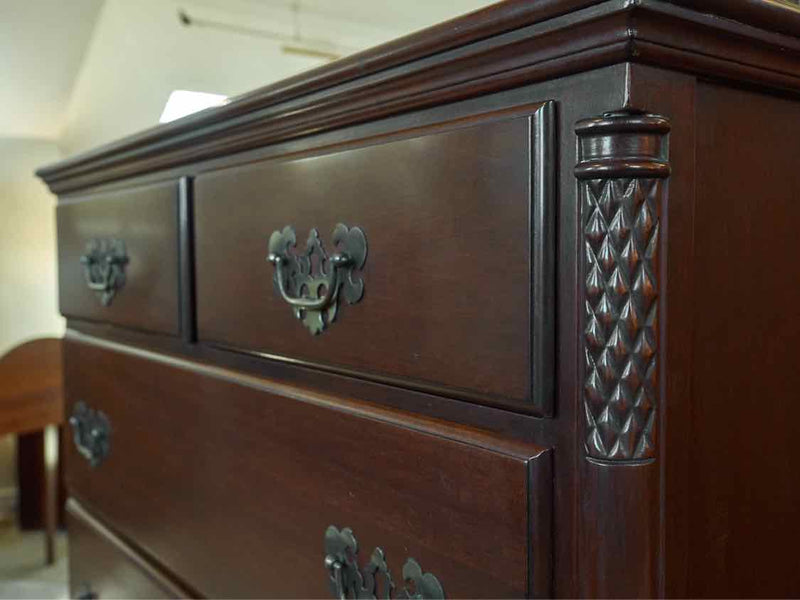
(457, 227)
(103, 565)
(140, 223)
(231, 482)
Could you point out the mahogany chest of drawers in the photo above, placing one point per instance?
(506, 308)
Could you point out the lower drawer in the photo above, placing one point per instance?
(244, 487)
(102, 566)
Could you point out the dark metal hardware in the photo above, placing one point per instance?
(312, 282)
(104, 267)
(85, 593)
(347, 580)
(91, 432)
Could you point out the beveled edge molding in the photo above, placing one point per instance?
(780, 15)
(622, 166)
(75, 509)
(179, 358)
(544, 156)
(500, 47)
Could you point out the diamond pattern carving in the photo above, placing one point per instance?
(621, 223)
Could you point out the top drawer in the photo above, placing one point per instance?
(118, 258)
(457, 279)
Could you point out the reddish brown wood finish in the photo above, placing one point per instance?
(146, 219)
(619, 534)
(710, 512)
(622, 171)
(673, 94)
(31, 385)
(31, 400)
(263, 475)
(742, 431)
(102, 564)
(599, 90)
(31, 482)
(448, 271)
(773, 15)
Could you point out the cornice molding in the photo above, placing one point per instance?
(780, 16)
(503, 46)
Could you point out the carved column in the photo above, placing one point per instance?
(622, 177)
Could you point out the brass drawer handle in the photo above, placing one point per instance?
(312, 282)
(91, 432)
(347, 580)
(104, 267)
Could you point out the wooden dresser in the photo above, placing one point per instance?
(505, 308)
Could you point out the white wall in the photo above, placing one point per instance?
(28, 305)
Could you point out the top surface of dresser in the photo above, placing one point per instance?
(501, 47)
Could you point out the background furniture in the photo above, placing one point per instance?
(504, 308)
(32, 400)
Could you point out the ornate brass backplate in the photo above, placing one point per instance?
(312, 282)
(91, 433)
(348, 580)
(104, 267)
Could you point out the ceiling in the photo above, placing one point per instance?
(42, 44)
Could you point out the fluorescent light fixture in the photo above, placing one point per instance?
(183, 102)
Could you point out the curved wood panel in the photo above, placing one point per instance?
(31, 387)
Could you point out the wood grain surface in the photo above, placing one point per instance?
(230, 486)
(742, 432)
(146, 220)
(31, 387)
(103, 565)
(447, 301)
